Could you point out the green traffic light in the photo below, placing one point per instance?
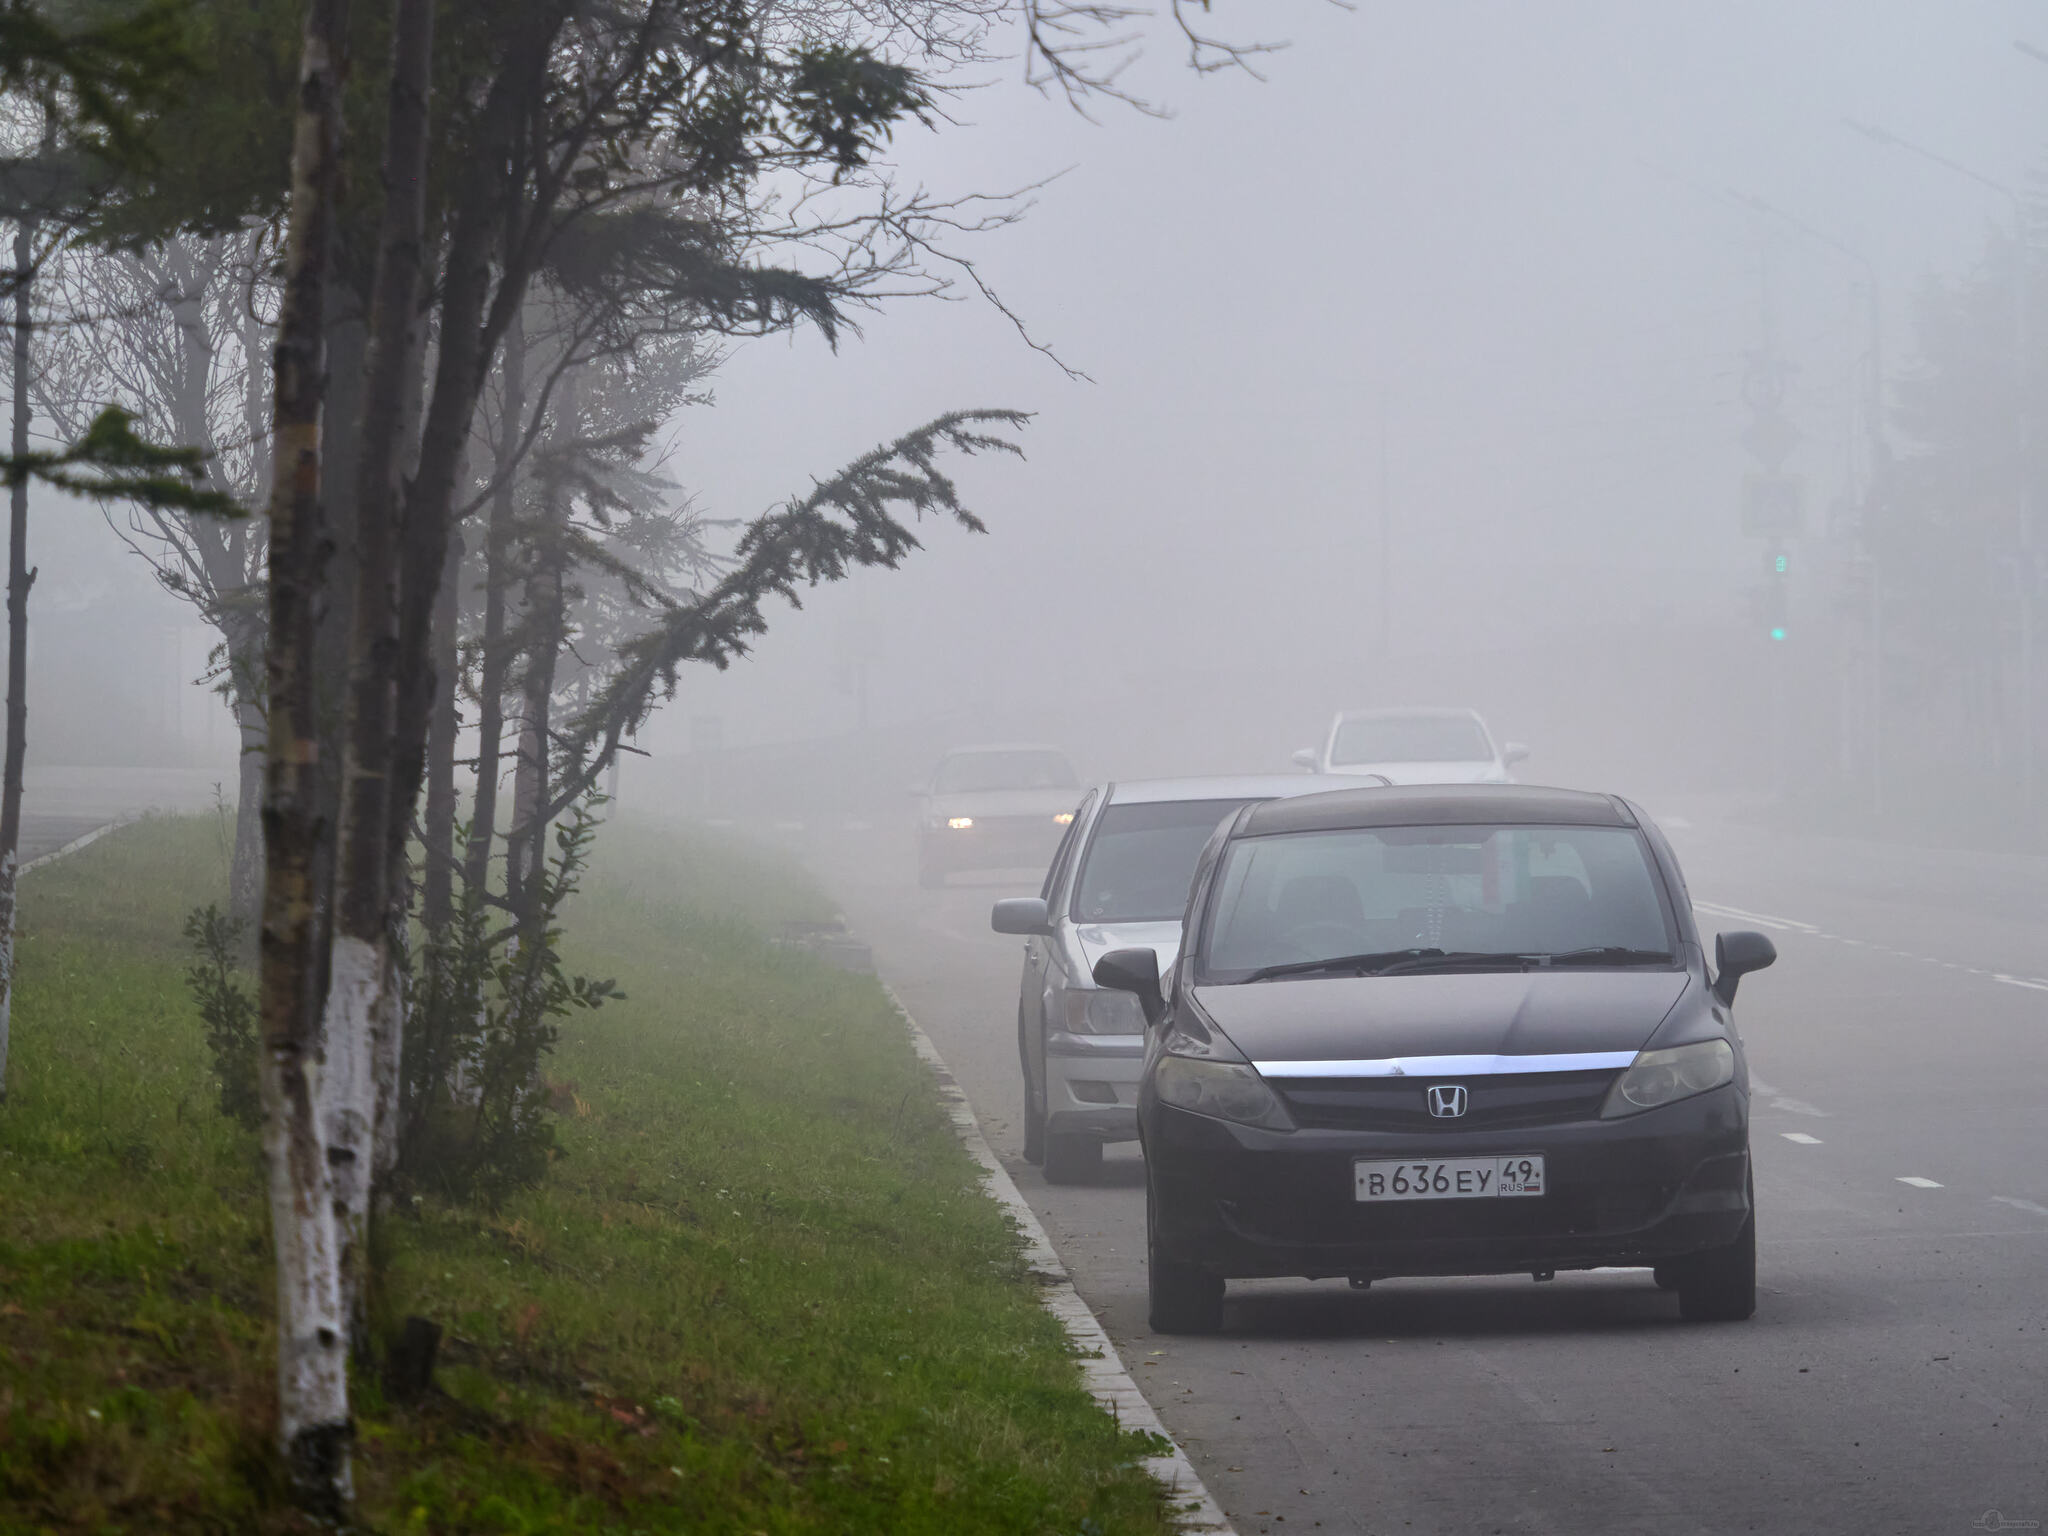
(1780, 565)
(1778, 632)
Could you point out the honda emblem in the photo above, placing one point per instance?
(1448, 1102)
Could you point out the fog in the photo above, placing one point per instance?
(1454, 307)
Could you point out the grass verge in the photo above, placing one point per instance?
(761, 1292)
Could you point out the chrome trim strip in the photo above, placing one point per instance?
(1449, 1066)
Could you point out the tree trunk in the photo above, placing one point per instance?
(312, 1365)
(245, 875)
(362, 1016)
(543, 625)
(493, 667)
(19, 579)
(437, 878)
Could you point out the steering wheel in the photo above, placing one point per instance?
(1321, 939)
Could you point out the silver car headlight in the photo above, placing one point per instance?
(1657, 1078)
(1224, 1090)
(1098, 1011)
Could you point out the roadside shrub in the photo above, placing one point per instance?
(474, 1119)
(226, 1009)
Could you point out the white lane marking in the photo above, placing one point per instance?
(1801, 1137)
(2021, 1205)
(1758, 1085)
(1917, 1182)
(1788, 924)
(1793, 925)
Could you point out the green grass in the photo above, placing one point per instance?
(761, 1292)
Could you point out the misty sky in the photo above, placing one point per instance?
(1500, 224)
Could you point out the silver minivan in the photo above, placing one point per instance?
(1119, 881)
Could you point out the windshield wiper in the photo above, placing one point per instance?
(1361, 964)
(1605, 954)
(1457, 959)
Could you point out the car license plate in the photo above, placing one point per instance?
(1452, 1178)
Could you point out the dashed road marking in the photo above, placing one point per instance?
(1790, 925)
(1917, 1182)
(1814, 931)
(1801, 1137)
(2021, 1205)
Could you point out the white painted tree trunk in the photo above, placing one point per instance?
(356, 998)
(312, 1326)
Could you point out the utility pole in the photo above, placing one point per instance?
(2026, 562)
(1386, 500)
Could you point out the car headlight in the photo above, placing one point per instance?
(959, 823)
(1664, 1077)
(1099, 1011)
(1225, 1090)
(1062, 818)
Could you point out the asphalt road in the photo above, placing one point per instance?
(1895, 1377)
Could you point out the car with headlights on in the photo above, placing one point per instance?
(1442, 1030)
(1120, 878)
(1414, 746)
(1000, 807)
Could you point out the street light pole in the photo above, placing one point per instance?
(1880, 456)
(2023, 419)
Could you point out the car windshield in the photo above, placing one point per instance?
(1414, 898)
(1141, 859)
(969, 773)
(1410, 739)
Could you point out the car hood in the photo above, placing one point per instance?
(1491, 1013)
(1097, 939)
(1007, 802)
(1480, 771)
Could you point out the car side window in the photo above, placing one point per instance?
(1063, 855)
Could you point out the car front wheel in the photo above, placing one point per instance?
(1182, 1299)
(1719, 1286)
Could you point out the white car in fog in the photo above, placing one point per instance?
(1414, 746)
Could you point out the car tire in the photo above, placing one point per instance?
(1665, 1276)
(1719, 1286)
(1071, 1159)
(1180, 1297)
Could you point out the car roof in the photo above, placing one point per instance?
(1433, 711)
(1003, 746)
(1241, 786)
(1421, 805)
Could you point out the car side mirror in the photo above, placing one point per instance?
(1020, 914)
(1735, 956)
(1305, 758)
(1133, 970)
(1514, 752)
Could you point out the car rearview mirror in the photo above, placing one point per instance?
(1305, 758)
(1514, 752)
(1137, 971)
(1735, 956)
(1020, 914)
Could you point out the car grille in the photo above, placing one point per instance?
(1501, 1102)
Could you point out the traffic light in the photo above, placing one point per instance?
(1777, 602)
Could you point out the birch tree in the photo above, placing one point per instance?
(312, 1325)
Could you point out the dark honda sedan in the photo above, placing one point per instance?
(1443, 1030)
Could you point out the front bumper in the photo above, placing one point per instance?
(1004, 843)
(1238, 1201)
(1091, 1085)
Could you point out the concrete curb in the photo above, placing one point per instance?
(74, 845)
(1102, 1369)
